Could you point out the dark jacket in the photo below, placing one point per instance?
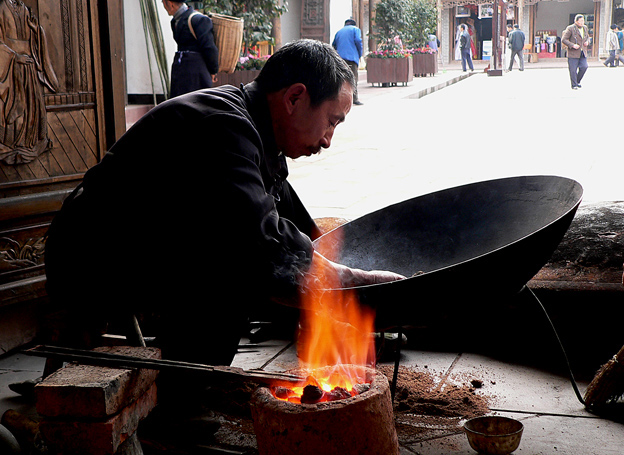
(197, 58)
(464, 40)
(516, 40)
(182, 217)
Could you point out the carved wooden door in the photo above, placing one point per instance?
(52, 127)
(315, 20)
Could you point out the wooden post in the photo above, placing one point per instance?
(113, 73)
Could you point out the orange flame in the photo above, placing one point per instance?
(335, 329)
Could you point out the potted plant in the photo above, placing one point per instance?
(258, 16)
(391, 63)
(423, 18)
(425, 61)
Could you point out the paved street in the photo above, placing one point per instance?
(395, 147)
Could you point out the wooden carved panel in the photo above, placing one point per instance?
(48, 46)
(52, 127)
(315, 20)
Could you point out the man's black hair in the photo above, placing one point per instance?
(312, 63)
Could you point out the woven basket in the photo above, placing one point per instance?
(228, 32)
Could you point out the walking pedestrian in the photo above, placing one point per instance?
(619, 52)
(464, 45)
(348, 44)
(516, 43)
(612, 45)
(576, 37)
(196, 63)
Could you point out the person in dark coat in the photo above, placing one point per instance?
(464, 45)
(196, 63)
(516, 44)
(190, 217)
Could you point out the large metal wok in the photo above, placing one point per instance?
(491, 237)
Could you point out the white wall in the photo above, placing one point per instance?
(556, 15)
(291, 22)
(137, 64)
(339, 12)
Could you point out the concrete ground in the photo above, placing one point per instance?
(401, 144)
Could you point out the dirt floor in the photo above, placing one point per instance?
(426, 406)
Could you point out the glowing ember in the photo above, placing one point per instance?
(335, 331)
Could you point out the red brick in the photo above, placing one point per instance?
(86, 391)
(102, 437)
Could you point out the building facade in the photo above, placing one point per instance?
(543, 23)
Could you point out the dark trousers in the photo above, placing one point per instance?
(614, 58)
(465, 55)
(520, 59)
(354, 69)
(577, 67)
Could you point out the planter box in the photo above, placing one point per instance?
(236, 78)
(425, 64)
(390, 71)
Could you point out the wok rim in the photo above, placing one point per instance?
(574, 207)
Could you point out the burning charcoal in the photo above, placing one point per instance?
(338, 393)
(311, 394)
(361, 388)
(311, 380)
(283, 392)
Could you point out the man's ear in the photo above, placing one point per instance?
(293, 95)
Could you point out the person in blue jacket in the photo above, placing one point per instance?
(348, 43)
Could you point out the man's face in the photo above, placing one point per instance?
(580, 21)
(169, 7)
(311, 129)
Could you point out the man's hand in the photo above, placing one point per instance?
(576, 46)
(348, 277)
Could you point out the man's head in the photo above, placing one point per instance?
(171, 6)
(614, 27)
(579, 20)
(310, 91)
(509, 27)
(349, 22)
(462, 27)
(516, 26)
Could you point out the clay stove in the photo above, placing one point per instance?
(363, 423)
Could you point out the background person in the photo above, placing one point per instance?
(464, 46)
(620, 36)
(348, 43)
(612, 45)
(516, 44)
(196, 62)
(576, 38)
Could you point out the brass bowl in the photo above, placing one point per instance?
(492, 435)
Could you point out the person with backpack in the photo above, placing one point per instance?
(196, 63)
